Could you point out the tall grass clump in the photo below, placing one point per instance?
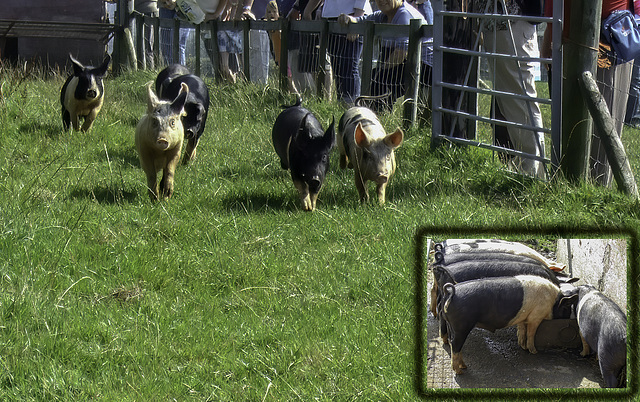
(228, 291)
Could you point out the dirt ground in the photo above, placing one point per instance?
(495, 360)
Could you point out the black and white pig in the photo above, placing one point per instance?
(304, 149)
(82, 94)
(168, 84)
(365, 146)
(467, 270)
(603, 329)
(494, 303)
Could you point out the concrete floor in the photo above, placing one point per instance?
(495, 360)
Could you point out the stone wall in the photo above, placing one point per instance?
(601, 263)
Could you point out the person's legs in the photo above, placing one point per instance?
(518, 78)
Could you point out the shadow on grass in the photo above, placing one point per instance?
(256, 202)
(49, 129)
(104, 195)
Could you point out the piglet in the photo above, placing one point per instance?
(82, 94)
(168, 84)
(159, 137)
(603, 329)
(493, 303)
(366, 147)
(303, 148)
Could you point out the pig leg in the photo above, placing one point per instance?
(166, 185)
(313, 197)
(75, 121)
(434, 297)
(585, 347)
(152, 184)
(190, 152)
(66, 119)
(457, 341)
(88, 120)
(609, 375)
(457, 364)
(361, 186)
(146, 162)
(303, 189)
(381, 190)
(343, 161)
(532, 328)
(522, 335)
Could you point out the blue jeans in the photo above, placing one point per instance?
(633, 110)
(345, 57)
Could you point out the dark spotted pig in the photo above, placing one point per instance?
(82, 94)
(493, 303)
(470, 269)
(603, 329)
(168, 84)
(159, 137)
(366, 147)
(303, 148)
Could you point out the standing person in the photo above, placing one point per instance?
(259, 48)
(305, 60)
(632, 116)
(388, 77)
(148, 8)
(345, 52)
(516, 38)
(166, 40)
(613, 79)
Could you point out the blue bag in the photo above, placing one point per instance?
(621, 31)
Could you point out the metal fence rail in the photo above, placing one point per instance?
(448, 118)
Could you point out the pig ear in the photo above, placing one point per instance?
(330, 134)
(360, 136)
(394, 140)
(153, 99)
(177, 106)
(102, 70)
(78, 68)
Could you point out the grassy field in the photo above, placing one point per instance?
(228, 291)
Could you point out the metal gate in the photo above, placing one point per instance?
(459, 82)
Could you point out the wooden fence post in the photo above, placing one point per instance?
(367, 57)
(613, 146)
(197, 49)
(175, 42)
(284, 53)
(412, 74)
(580, 55)
(322, 57)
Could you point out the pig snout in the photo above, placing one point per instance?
(92, 94)
(382, 178)
(314, 184)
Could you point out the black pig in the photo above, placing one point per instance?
(603, 329)
(82, 94)
(168, 84)
(304, 149)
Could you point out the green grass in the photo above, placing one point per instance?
(228, 291)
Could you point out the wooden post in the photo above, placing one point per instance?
(367, 57)
(412, 74)
(175, 42)
(140, 42)
(122, 48)
(198, 56)
(613, 147)
(247, 46)
(284, 54)
(155, 25)
(322, 57)
(580, 55)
